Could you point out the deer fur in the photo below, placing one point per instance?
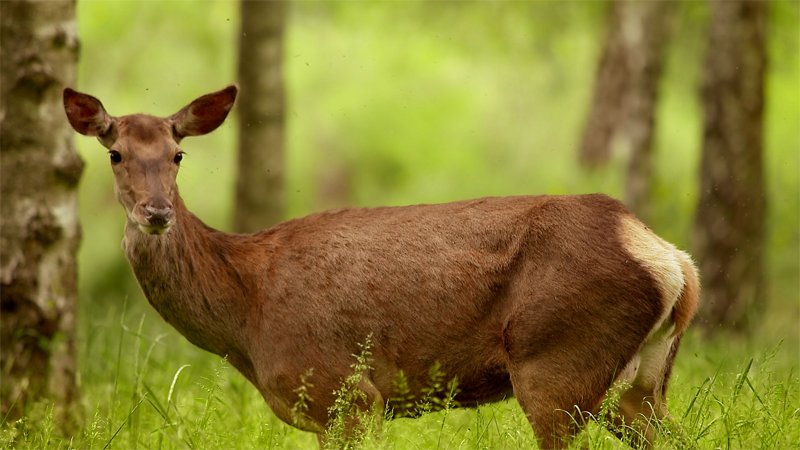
(547, 298)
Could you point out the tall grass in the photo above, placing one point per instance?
(721, 395)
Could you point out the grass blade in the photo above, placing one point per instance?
(126, 421)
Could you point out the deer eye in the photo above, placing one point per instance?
(178, 157)
(115, 156)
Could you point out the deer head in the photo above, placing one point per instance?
(144, 150)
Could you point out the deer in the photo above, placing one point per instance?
(549, 299)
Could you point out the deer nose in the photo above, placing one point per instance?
(157, 216)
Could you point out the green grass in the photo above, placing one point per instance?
(417, 102)
(145, 387)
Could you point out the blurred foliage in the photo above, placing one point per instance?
(419, 102)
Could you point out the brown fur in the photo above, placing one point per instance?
(686, 307)
(548, 298)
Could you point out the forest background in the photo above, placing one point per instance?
(402, 103)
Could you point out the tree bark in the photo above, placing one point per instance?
(729, 227)
(626, 93)
(39, 173)
(606, 113)
(646, 33)
(259, 189)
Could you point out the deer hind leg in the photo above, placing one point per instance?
(561, 372)
(642, 407)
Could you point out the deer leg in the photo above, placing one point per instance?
(638, 415)
(642, 405)
(555, 401)
(558, 385)
(560, 371)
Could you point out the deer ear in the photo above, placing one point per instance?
(86, 114)
(205, 114)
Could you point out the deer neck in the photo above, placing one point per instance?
(187, 278)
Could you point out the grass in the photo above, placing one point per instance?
(146, 387)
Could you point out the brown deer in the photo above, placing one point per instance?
(550, 299)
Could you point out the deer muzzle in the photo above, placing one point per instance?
(158, 220)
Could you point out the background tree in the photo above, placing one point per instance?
(39, 172)
(606, 113)
(626, 94)
(729, 227)
(259, 189)
(647, 30)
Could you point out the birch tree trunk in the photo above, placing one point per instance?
(39, 173)
(606, 111)
(729, 227)
(623, 107)
(259, 188)
(647, 32)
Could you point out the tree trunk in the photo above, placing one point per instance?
(646, 33)
(259, 189)
(729, 227)
(606, 114)
(626, 93)
(39, 173)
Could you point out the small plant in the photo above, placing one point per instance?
(402, 404)
(430, 400)
(300, 407)
(608, 417)
(350, 422)
(95, 429)
(213, 388)
(11, 432)
(436, 396)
